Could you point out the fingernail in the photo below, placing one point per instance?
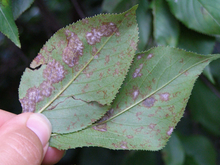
(41, 126)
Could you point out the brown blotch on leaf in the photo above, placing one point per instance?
(106, 30)
(39, 60)
(149, 102)
(101, 127)
(73, 50)
(54, 72)
(137, 71)
(150, 56)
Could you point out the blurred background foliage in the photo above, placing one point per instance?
(192, 25)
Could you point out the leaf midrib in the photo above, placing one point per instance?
(80, 71)
(7, 22)
(152, 93)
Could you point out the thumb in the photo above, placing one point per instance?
(24, 139)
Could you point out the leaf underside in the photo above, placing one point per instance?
(148, 106)
(78, 72)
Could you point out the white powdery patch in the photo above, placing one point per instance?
(93, 37)
(169, 132)
(54, 72)
(135, 94)
(105, 30)
(137, 71)
(149, 56)
(164, 96)
(73, 50)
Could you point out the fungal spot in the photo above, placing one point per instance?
(107, 59)
(140, 56)
(151, 126)
(138, 114)
(135, 94)
(123, 145)
(73, 50)
(137, 71)
(169, 132)
(133, 44)
(106, 30)
(54, 72)
(93, 37)
(85, 21)
(46, 88)
(94, 52)
(164, 96)
(149, 56)
(101, 127)
(149, 102)
(37, 62)
(130, 136)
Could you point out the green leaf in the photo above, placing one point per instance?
(173, 153)
(199, 43)
(200, 15)
(118, 5)
(76, 69)
(144, 19)
(19, 6)
(149, 104)
(166, 27)
(204, 107)
(8, 26)
(195, 42)
(200, 149)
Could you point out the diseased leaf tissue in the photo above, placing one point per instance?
(83, 81)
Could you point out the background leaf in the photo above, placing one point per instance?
(19, 6)
(196, 148)
(205, 110)
(200, 15)
(8, 26)
(166, 27)
(148, 106)
(173, 153)
(78, 65)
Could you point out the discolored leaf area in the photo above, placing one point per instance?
(149, 105)
(79, 70)
(200, 15)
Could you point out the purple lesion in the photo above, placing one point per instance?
(105, 30)
(73, 50)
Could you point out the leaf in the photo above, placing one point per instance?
(166, 27)
(144, 19)
(200, 149)
(200, 15)
(75, 70)
(199, 43)
(195, 42)
(8, 26)
(19, 6)
(204, 107)
(118, 5)
(149, 104)
(173, 153)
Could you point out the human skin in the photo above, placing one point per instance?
(24, 140)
